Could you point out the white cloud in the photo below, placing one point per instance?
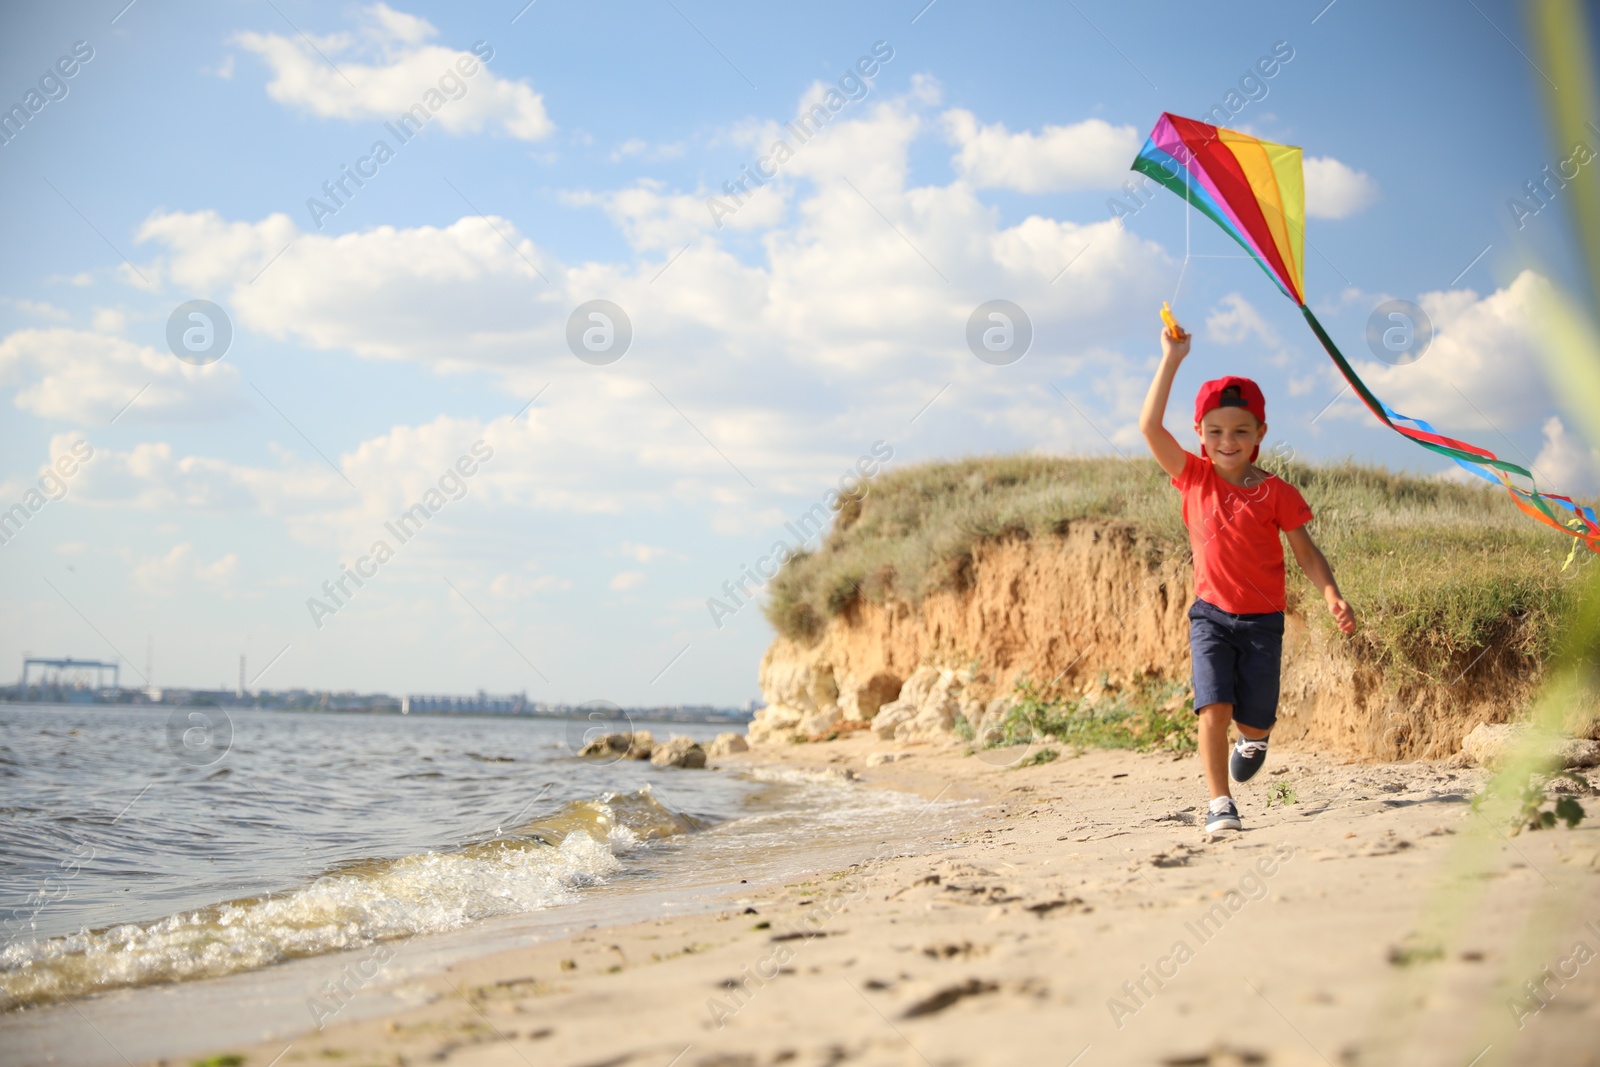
(1350, 297)
(386, 293)
(180, 570)
(638, 148)
(1567, 464)
(518, 586)
(1334, 190)
(642, 553)
(82, 376)
(864, 277)
(109, 320)
(1235, 320)
(627, 580)
(149, 476)
(1480, 374)
(653, 219)
(214, 253)
(611, 446)
(849, 319)
(390, 26)
(387, 70)
(39, 309)
(1092, 154)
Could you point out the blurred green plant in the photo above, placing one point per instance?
(1529, 798)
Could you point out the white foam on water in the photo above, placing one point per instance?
(801, 776)
(544, 866)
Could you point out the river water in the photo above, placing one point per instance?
(144, 846)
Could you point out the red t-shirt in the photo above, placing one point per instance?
(1233, 532)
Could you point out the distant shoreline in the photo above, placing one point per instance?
(661, 715)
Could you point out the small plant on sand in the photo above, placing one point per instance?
(1043, 756)
(1282, 792)
(1529, 801)
(1414, 951)
(1146, 717)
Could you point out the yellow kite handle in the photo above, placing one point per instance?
(1172, 323)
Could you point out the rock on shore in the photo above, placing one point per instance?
(928, 707)
(636, 745)
(1489, 744)
(679, 752)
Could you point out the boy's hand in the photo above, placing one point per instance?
(1174, 347)
(1165, 447)
(1343, 613)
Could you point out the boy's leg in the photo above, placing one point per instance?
(1248, 757)
(1213, 743)
(1256, 683)
(1214, 660)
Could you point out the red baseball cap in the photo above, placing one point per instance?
(1231, 392)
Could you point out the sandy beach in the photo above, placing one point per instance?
(717, 534)
(1078, 915)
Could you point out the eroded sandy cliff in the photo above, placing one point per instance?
(1097, 602)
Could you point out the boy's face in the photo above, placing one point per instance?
(1229, 436)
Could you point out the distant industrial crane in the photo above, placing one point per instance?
(71, 673)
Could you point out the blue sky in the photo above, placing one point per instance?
(371, 352)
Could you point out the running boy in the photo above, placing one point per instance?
(1234, 510)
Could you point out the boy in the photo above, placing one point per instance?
(1234, 510)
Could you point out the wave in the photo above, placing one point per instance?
(541, 864)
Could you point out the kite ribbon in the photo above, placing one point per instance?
(1478, 461)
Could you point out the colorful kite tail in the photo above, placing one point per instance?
(1582, 522)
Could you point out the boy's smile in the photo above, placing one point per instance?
(1229, 435)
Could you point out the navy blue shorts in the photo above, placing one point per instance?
(1236, 661)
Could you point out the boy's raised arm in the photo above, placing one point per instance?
(1162, 444)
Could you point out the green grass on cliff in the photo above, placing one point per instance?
(1437, 571)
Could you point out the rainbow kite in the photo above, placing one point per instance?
(1255, 191)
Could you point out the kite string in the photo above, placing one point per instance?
(1188, 209)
